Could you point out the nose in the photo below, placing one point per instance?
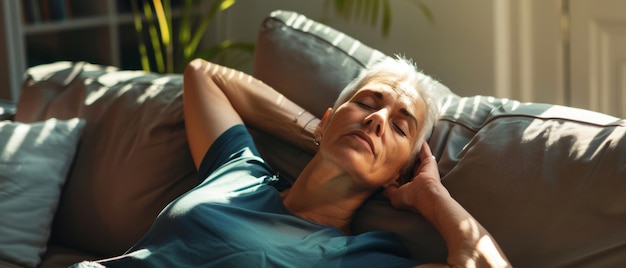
(376, 121)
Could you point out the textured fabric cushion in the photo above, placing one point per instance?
(34, 162)
(309, 63)
(287, 57)
(133, 158)
(460, 119)
(58, 256)
(7, 110)
(546, 180)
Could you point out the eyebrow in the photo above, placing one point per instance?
(404, 111)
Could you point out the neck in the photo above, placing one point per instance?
(324, 194)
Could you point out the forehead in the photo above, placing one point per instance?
(393, 90)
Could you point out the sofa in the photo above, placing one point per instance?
(90, 154)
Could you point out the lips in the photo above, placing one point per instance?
(363, 136)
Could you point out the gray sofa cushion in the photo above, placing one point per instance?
(309, 62)
(133, 157)
(7, 110)
(34, 163)
(547, 181)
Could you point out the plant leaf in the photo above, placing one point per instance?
(143, 53)
(214, 51)
(375, 12)
(184, 31)
(425, 10)
(154, 37)
(218, 6)
(372, 6)
(164, 22)
(163, 25)
(386, 24)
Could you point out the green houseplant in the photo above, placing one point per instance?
(375, 12)
(165, 48)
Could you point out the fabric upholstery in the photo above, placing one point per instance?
(291, 44)
(133, 157)
(7, 110)
(546, 180)
(34, 163)
(284, 33)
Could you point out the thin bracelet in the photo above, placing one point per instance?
(307, 123)
(295, 120)
(304, 129)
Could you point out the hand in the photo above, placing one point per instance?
(469, 244)
(426, 178)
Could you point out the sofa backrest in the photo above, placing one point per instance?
(547, 181)
(132, 159)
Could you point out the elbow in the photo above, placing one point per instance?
(192, 73)
(193, 67)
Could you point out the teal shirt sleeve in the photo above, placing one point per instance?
(227, 147)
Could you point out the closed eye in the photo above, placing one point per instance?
(399, 129)
(364, 105)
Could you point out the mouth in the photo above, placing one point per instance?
(363, 137)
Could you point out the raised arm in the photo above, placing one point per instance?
(216, 97)
(469, 244)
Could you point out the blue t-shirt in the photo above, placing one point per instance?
(235, 218)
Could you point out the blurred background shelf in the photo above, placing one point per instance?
(44, 31)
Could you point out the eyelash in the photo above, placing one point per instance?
(399, 129)
(396, 126)
(363, 104)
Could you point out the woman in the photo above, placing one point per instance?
(368, 140)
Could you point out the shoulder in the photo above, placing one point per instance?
(234, 143)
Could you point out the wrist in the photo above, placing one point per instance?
(306, 124)
(429, 197)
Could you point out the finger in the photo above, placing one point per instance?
(425, 152)
(425, 155)
(395, 196)
(428, 163)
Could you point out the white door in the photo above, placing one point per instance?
(598, 55)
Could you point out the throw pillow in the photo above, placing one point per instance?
(34, 162)
(548, 183)
(133, 159)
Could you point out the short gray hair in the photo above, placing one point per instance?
(404, 71)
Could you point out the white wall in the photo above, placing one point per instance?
(478, 47)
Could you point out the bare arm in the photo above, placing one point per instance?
(216, 98)
(469, 244)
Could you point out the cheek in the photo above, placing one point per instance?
(339, 121)
(398, 156)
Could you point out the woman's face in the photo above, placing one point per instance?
(372, 135)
